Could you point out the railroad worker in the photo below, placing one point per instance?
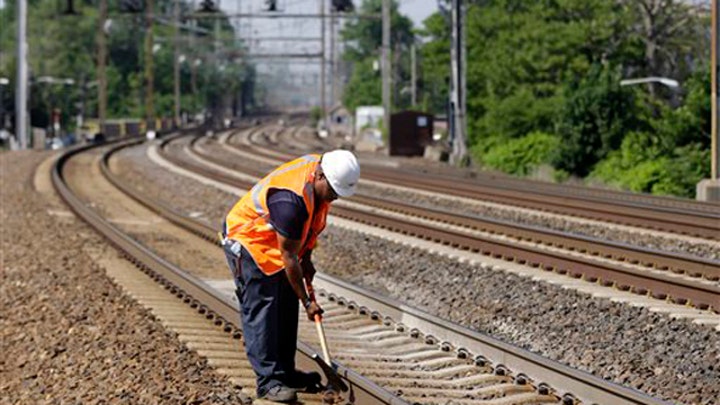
(268, 238)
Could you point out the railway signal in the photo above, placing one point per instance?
(208, 6)
(271, 5)
(70, 8)
(132, 6)
(342, 6)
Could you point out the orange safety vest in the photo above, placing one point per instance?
(248, 221)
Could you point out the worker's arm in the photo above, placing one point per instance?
(289, 249)
(307, 266)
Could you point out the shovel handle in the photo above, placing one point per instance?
(323, 341)
(319, 325)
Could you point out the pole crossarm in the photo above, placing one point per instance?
(273, 16)
(235, 54)
(183, 26)
(297, 39)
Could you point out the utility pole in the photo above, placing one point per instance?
(193, 63)
(332, 57)
(22, 76)
(457, 100)
(149, 74)
(218, 105)
(101, 64)
(386, 68)
(176, 61)
(715, 153)
(323, 105)
(709, 189)
(413, 75)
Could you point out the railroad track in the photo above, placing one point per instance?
(668, 214)
(213, 304)
(681, 279)
(418, 357)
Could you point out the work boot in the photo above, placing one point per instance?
(310, 382)
(280, 393)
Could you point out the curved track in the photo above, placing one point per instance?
(419, 357)
(675, 215)
(679, 278)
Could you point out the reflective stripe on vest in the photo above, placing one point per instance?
(248, 221)
(257, 188)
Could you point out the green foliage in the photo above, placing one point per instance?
(364, 87)
(315, 115)
(523, 155)
(666, 174)
(595, 117)
(690, 122)
(435, 56)
(65, 47)
(555, 67)
(364, 35)
(671, 157)
(364, 41)
(520, 54)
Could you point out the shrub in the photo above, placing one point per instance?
(675, 174)
(523, 155)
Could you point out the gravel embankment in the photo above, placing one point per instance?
(651, 240)
(67, 333)
(672, 359)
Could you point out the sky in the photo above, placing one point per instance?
(285, 76)
(418, 10)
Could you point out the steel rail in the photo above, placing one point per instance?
(703, 223)
(660, 285)
(579, 384)
(194, 291)
(670, 220)
(582, 385)
(674, 204)
(651, 258)
(677, 263)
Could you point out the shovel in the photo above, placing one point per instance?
(334, 382)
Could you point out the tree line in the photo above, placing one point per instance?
(64, 46)
(544, 92)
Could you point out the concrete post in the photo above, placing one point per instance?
(21, 97)
(709, 189)
(457, 60)
(101, 65)
(386, 67)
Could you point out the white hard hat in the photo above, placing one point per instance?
(342, 170)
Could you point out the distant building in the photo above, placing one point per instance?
(368, 117)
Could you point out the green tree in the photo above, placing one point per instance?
(520, 53)
(690, 122)
(364, 35)
(673, 155)
(364, 39)
(594, 119)
(64, 47)
(435, 57)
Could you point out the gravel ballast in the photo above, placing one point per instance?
(672, 359)
(68, 334)
(578, 226)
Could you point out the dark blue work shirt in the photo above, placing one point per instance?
(287, 213)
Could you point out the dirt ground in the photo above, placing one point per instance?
(67, 333)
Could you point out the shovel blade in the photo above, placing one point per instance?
(333, 379)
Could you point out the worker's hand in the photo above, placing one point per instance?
(312, 310)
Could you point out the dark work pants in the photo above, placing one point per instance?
(269, 310)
